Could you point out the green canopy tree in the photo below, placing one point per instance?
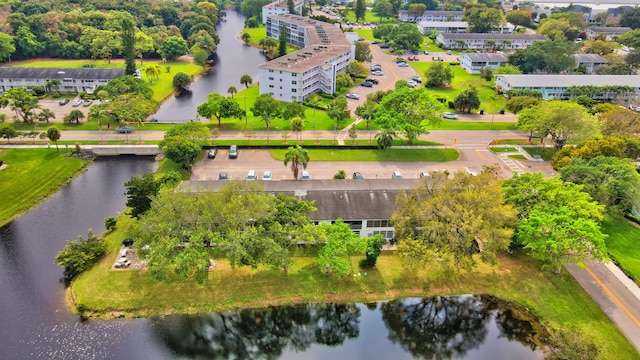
(338, 110)
(246, 80)
(297, 157)
(128, 39)
(467, 100)
(384, 139)
(7, 48)
(74, 115)
(267, 108)
(53, 134)
(180, 81)
(333, 257)
(483, 19)
(363, 52)
(438, 74)
(173, 47)
(219, 106)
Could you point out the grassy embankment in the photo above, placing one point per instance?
(31, 176)
(557, 300)
(623, 244)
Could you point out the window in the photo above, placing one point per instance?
(271, 86)
(293, 82)
(270, 70)
(378, 223)
(294, 90)
(294, 74)
(388, 235)
(270, 78)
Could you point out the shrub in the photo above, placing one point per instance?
(252, 23)
(110, 223)
(79, 255)
(340, 175)
(89, 65)
(38, 90)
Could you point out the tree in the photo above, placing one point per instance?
(620, 121)
(52, 84)
(338, 110)
(140, 192)
(192, 131)
(483, 20)
(22, 103)
(562, 121)
(343, 80)
(384, 139)
(467, 100)
(180, 150)
(8, 132)
(7, 47)
(143, 45)
(438, 74)
(633, 58)
(297, 124)
(363, 52)
(173, 47)
(45, 115)
(402, 36)
(518, 103)
(77, 256)
(291, 7)
(27, 43)
(559, 222)
(353, 134)
(340, 175)
(630, 38)
(180, 81)
(601, 47)
(631, 18)
(128, 38)
(507, 69)
(519, 17)
(282, 40)
(408, 110)
(219, 106)
(450, 220)
(612, 181)
(231, 90)
(267, 108)
(292, 110)
(373, 251)
(383, 9)
(360, 10)
(416, 9)
(545, 56)
(152, 71)
(558, 29)
(297, 157)
(246, 37)
(74, 115)
(355, 69)
(333, 257)
(246, 80)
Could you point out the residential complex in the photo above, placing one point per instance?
(280, 7)
(325, 52)
(555, 86)
(473, 63)
(589, 61)
(610, 32)
(428, 27)
(431, 15)
(487, 41)
(71, 80)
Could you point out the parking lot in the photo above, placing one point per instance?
(59, 110)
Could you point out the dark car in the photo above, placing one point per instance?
(63, 102)
(212, 153)
(223, 176)
(375, 81)
(127, 242)
(233, 152)
(367, 84)
(384, 46)
(125, 130)
(358, 176)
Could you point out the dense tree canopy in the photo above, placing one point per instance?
(545, 56)
(218, 106)
(483, 19)
(631, 18)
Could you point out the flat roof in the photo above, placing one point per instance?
(534, 80)
(327, 42)
(457, 24)
(606, 29)
(487, 36)
(594, 58)
(436, 12)
(59, 73)
(499, 57)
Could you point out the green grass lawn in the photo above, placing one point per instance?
(489, 100)
(557, 300)
(623, 244)
(31, 176)
(162, 87)
(546, 153)
(392, 154)
(458, 125)
(500, 149)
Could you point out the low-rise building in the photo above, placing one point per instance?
(589, 61)
(280, 7)
(473, 63)
(325, 52)
(487, 41)
(611, 33)
(427, 27)
(431, 15)
(71, 80)
(556, 86)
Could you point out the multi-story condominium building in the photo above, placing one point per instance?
(589, 61)
(556, 86)
(473, 63)
(71, 80)
(610, 32)
(325, 52)
(487, 41)
(431, 15)
(428, 27)
(280, 7)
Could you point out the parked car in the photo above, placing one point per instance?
(384, 46)
(417, 79)
(426, 52)
(367, 84)
(358, 176)
(266, 175)
(223, 176)
(127, 242)
(412, 83)
(76, 102)
(413, 58)
(396, 175)
(373, 80)
(212, 153)
(378, 73)
(352, 96)
(63, 102)
(424, 174)
(233, 152)
(448, 52)
(125, 130)
(403, 64)
(305, 175)
(251, 175)
(450, 115)
(87, 102)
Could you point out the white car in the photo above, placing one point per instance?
(76, 102)
(251, 175)
(378, 73)
(305, 175)
(449, 115)
(403, 64)
(266, 175)
(352, 96)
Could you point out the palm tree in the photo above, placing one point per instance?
(314, 101)
(232, 90)
(246, 80)
(45, 115)
(51, 84)
(246, 37)
(150, 71)
(296, 124)
(385, 139)
(74, 115)
(297, 156)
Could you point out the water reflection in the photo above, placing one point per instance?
(437, 328)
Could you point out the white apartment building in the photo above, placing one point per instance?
(431, 15)
(427, 27)
(473, 63)
(589, 61)
(280, 7)
(71, 80)
(555, 86)
(325, 52)
(487, 41)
